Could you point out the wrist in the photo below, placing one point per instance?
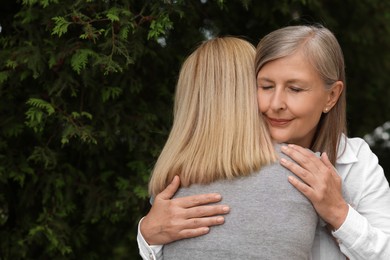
(338, 217)
(145, 230)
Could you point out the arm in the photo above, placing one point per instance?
(172, 219)
(363, 230)
(366, 232)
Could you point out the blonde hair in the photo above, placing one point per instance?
(323, 51)
(217, 132)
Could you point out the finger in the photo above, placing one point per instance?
(206, 211)
(329, 165)
(296, 149)
(197, 227)
(196, 232)
(200, 226)
(198, 200)
(305, 158)
(326, 161)
(296, 169)
(306, 190)
(171, 189)
(204, 222)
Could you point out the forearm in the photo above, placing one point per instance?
(146, 251)
(173, 219)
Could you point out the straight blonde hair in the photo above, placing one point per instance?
(217, 132)
(323, 51)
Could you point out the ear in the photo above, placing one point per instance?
(333, 95)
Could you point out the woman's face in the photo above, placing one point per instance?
(292, 97)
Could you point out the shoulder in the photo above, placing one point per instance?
(360, 171)
(353, 150)
(358, 161)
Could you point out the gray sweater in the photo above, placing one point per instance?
(269, 219)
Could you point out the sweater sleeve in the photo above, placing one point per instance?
(365, 234)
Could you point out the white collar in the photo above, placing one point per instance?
(346, 154)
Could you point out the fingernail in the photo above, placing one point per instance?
(284, 148)
(218, 196)
(282, 160)
(225, 209)
(220, 219)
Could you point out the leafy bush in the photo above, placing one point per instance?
(80, 125)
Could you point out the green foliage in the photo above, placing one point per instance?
(86, 90)
(36, 114)
(159, 27)
(79, 59)
(61, 26)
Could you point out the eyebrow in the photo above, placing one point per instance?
(290, 81)
(264, 79)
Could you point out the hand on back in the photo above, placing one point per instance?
(320, 183)
(173, 219)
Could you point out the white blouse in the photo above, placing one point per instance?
(365, 233)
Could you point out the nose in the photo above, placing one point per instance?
(278, 100)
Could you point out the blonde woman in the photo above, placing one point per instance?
(219, 143)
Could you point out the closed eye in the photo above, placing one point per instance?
(295, 89)
(266, 87)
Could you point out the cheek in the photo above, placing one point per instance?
(308, 107)
(316, 117)
(311, 116)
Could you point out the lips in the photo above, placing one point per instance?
(278, 122)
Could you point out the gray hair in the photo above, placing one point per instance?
(318, 44)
